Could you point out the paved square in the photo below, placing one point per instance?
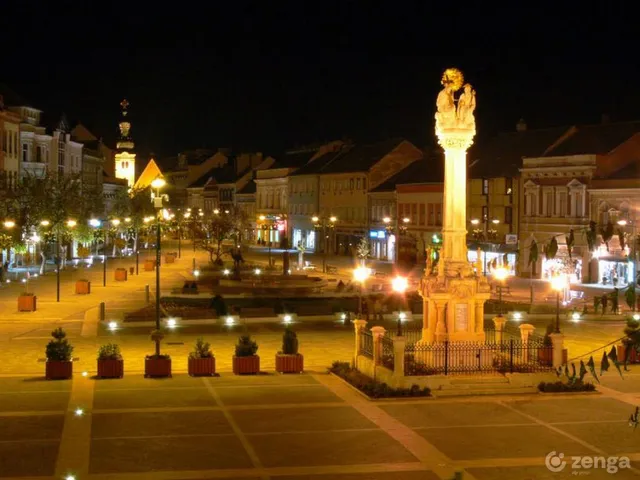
(264, 395)
(21, 459)
(567, 409)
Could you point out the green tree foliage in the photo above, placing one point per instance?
(216, 230)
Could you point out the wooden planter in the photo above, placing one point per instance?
(55, 370)
(202, 366)
(289, 363)
(120, 275)
(157, 367)
(169, 258)
(110, 368)
(27, 303)
(83, 287)
(246, 365)
(132, 270)
(149, 265)
(633, 355)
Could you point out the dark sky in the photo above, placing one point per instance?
(269, 75)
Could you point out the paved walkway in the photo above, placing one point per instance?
(310, 427)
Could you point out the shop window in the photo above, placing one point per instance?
(421, 220)
(508, 215)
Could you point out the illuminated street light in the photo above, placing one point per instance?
(475, 221)
(315, 219)
(113, 326)
(333, 219)
(406, 220)
(386, 220)
(287, 319)
(500, 274)
(196, 273)
(495, 221)
(400, 285)
(79, 412)
(127, 220)
(71, 223)
(575, 317)
(257, 271)
(171, 323)
(229, 321)
(9, 224)
(158, 183)
(622, 223)
(115, 222)
(94, 222)
(360, 275)
(226, 272)
(45, 223)
(558, 283)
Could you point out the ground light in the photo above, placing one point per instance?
(171, 323)
(226, 271)
(229, 321)
(575, 317)
(257, 271)
(113, 326)
(636, 316)
(79, 412)
(287, 319)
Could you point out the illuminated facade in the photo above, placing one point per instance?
(125, 159)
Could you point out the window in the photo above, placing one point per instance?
(561, 199)
(421, 220)
(414, 212)
(485, 213)
(508, 184)
(358, 183)
(364, 183)
(508, 215)
(439, 214)
(351, 184)
(485, 186)
(431, 209)
(547, 202)
(25, 152)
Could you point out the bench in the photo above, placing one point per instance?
(255, 312)
(308, 310)
(190, 287)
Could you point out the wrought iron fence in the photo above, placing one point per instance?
(412, 335)
(510, 331)
(386, 356)
(366, 344)
(450, 358)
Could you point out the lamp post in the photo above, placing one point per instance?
(8, 224)
(400, 284)
(360, 275)
(324, 223)
(70, 224)
(157, 184)
(558, 284)
(390, 230)
(500, 274)
(624, 223)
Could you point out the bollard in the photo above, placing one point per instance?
(147, 294)
(194, 265)
(103, 312)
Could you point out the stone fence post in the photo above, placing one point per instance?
(398, 358)
(526, 329)
(358, 326)
(499, 322)
(557, 339)
(377, 333)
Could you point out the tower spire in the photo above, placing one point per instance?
(125, 158)
(125, 142)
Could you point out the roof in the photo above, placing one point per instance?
(248, 189)
(148, 175)
(224, 174)
(350, 158)
(420, 171)
(502, 155)
(596, 139)
(293, 160)
(630, 171)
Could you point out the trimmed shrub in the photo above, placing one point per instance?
(373, 388)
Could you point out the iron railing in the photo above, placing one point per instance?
(386, 357)
(366, 344)
(411, 335)
(450, 358)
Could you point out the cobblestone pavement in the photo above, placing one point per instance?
(309, 426)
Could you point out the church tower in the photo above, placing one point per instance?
(125, 158)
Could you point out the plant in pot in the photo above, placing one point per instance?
(289, 360)
(201, 360)
(59, 356)
(110, 362)
(157, 365)
(245, 361)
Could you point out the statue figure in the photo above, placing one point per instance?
(446, 114)
(466, 107)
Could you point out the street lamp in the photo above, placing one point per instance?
(324, 223)
(360, 275)
(157, 184)
(500, 274)
(558, 283)
(70, 224)
(400, 285)
(9, 224)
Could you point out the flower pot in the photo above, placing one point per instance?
(202, 366)
(110, 368)
(149, 265)
(169, 258)
(289, 363)
(246, 365)
(120, 275)
(83, 287)
(157, 367)
(27, 303)
(131, 270)
(55, 370)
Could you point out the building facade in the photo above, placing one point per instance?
(9, 147)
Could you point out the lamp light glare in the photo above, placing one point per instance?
(400, 284)
(171, 323)
(79, 412)
(226, 271)
(113, 326)
(257, 271)
(196, 273)
(287, 319)
(636, 316)
(229, 321)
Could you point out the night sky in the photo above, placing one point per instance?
(271, 75)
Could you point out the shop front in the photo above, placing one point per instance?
(382, 245)
(271, 229)
(306, 238)
(490, 252)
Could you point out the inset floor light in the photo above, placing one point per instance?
(226, 271)
(575, 317)
(171, 323)
(113, 326)
(287, 319)
(229, 321)
(79, 412)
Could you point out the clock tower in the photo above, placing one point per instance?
(125, 158)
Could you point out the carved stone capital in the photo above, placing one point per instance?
(455, 138)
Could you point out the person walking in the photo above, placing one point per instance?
(605, 299)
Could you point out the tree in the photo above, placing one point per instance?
(216, 229)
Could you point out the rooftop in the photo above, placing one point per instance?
(596, 139)
(421, 171)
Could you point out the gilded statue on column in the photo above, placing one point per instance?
(450, 116)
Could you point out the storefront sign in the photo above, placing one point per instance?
(511, 239)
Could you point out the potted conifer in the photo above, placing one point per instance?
(157, 365)
(245, 361)
(110, 362)
(289, 360)
(201, 360)
(59, 356)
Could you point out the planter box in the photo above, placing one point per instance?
(246, 365)
(633, 355)
(169, 258)
(120, 275)
(545, 356)
(149, 265)
(83, 287)
(289, 363)
(58, 370)
(132, 270)
(157, 367)
(202, 367)
(27, 303)
(110, 368)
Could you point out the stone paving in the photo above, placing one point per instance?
(309, 426)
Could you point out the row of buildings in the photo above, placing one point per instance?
(525, 187)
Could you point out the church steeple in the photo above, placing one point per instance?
(125, 142)
(125, 158)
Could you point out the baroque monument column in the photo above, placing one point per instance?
(454, 294)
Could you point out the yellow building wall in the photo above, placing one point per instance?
(126, 167)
